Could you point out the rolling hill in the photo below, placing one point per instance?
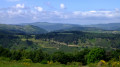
(51, 26)
(62, 27)
(27, 29)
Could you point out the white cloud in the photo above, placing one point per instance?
(20, 6)
(21, 14)
(77, 12)
(92, 11)
(62, 6)
(17, 12)
(40, 9)
(117, 10)
(97, 13)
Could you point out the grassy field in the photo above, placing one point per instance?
(5, 62)
(21, 64)
(25, 64)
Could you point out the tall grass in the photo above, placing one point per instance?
(23, 64)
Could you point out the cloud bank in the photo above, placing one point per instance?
(22, 14)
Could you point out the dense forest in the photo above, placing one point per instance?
(59, 40)
(83, 38)
(70, 40)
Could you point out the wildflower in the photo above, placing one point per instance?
(50, 62)
(103, 61)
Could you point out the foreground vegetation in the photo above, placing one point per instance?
(102, 63)
(60, 49)
(26, 64)
(89, 57)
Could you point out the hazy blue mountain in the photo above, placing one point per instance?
(110, 26)
(118, 29)
(81, 29)
(52, 26)
(26, 29)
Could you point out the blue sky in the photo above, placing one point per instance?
(60, 11)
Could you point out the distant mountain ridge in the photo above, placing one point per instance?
(44, 27)
(82, 29)
(52, 26)
(110, 26)
(62, 27)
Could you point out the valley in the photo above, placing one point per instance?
(59, 33)
(27, 43)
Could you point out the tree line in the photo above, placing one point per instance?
(85, 56)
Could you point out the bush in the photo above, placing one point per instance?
(43, 62)
(49, 62)
(60, 57)
(95, 55)
(26, 60)
(4, 52)
(4, 59)
(16, 55)
(80, 56)
(74, 63)
(38, 56)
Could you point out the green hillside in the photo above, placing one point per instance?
(67, 41)
(27, 29)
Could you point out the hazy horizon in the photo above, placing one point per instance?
(57, 23)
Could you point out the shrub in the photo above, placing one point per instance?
(95, 55)
(4, 59)
(49, 62)
(43, 62)
(38, 56)
(26, 60)
(60, 57)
